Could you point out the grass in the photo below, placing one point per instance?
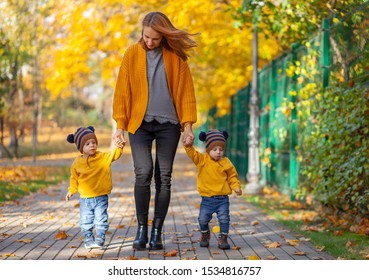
(304, 220)
(19, 181)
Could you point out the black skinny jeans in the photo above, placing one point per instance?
(166, 138)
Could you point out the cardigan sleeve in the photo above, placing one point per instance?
(122, 94)
(186, 105)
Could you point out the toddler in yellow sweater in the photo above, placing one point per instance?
(91, 178)
(216, 179)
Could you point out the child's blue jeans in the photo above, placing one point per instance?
(94, 212)
(215, 204)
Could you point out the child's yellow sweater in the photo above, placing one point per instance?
(92, 177)
(132, 92)
(213, 177)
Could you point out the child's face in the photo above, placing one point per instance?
(89, 149)
(216, 153)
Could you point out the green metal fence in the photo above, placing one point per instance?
(338, 53)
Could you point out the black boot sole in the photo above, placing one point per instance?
(157, 247)
(139, 246)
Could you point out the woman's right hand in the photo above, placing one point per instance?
(119, 137)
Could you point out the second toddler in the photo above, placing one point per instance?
(216, 179)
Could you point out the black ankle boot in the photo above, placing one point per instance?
(155, 240)
(141, 236)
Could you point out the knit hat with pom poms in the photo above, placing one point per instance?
(81, 136)
(213, 138)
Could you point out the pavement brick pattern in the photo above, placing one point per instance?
(42, 226)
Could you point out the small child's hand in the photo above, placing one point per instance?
(119, 144)
(68, 196)
(238, 191)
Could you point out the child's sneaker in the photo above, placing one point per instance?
(89, 241)
(100, 239)
(205, 237)
(222, 242)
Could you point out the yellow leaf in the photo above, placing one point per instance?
(293, 242)
(253, 258)
(216, 229)
(10, 255)
(275, 244)
(254, 223)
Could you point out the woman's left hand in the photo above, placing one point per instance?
(188, 136)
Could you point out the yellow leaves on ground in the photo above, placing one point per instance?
(21, 173)
(253, 257)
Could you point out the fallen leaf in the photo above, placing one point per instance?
(320, 248)
(61, 235)
(10, 255)
(285, 213)
(293, 242)
(254, 223)
(275, 244)
(337, 232)
(351, 243)
(120, 226)
(156, 253)
(299, 253)
(215, 229)
(171, 253)
(236, 248)
(27, 240)
(253, 257)
(271, 257)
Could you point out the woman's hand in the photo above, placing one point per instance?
(188, 136)
(118, 138)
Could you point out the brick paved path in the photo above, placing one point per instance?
(28, 228)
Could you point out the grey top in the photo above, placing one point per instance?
(160, 106)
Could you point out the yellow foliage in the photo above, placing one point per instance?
(91, 37)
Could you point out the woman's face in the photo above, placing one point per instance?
(151, 37)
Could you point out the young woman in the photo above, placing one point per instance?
(154, 100)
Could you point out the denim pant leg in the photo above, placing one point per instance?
(206, 213)
(222, 211)
(87, 215)
(101, 214)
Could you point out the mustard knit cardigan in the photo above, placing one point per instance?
(131, 91)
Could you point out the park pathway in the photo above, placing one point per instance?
(42, 226)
